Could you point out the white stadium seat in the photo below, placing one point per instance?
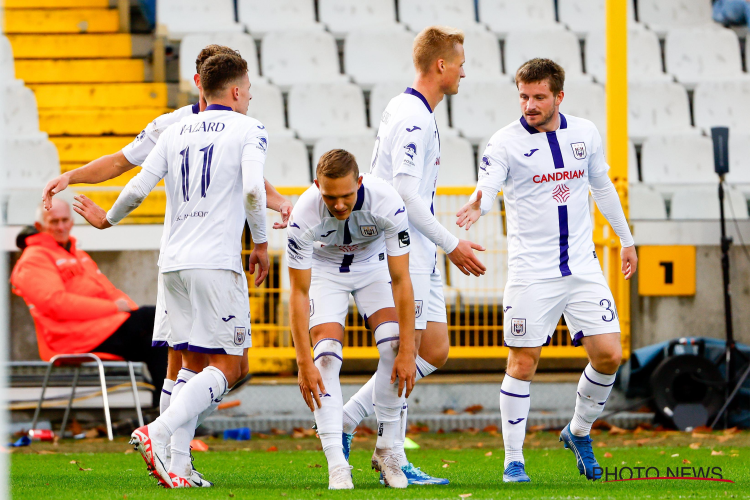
(361, 146)
(644, 57)
(191, 46)
(318, 110)
(657, 108)
(263, 16)
(702, 202)
(300, 56)
(32, 160)
(347, 16)
(20, 110)
(177, 18)
(646, 203)
(633, 176)
(739, 158)
(586, 100)
(722, 104)
(288, 163)
(482, 108)
(559, 45)
(678, 159)
(457, 166)
(585, 16)
(482, 52)
(418, 14)
(694, 55)
(504, 16)
(661, 15)
(7, 67)
(382, 94)
(373, 56)
(267, 105)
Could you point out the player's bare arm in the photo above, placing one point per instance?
(629, 261)
(470, 213)
(93, 213)
(404, 367)
(278, 203)
(309, 379)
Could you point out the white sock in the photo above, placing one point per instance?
(423, 369)
(359, 406)
(327, 354)
(179, 446)
(208, 412)
(166, 393)
(385, 395)
(515, 400)
(593, 391)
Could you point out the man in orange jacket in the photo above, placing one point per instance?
(75, 307)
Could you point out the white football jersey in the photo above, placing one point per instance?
(378, 226)
(200, 159)
(408, 142)
(546, 193)
(137, 151)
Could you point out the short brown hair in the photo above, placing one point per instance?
(219, 71)
(337, 163)
(212, 50)
(435, 42)
(538, 70)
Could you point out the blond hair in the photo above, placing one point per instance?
(337, 163)
(433, 43)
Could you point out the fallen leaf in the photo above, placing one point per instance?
(449, 411)
(84, 469)
(299, 447)
(73, 462)
(685, 461)
(701, 435)
(480, 445)
(278, 432)
(445, 466)
(474, 409)
(297, 435)
(695, 446)
(732, 430)
(616, 431)
(125, 497)
(231, 495)
(607, 455)
(724, 438)
(676, 455)
(491, 428)
(272, 448)
(537, 428)
(715, 453)
(47, 452)
(465, 495)
(488, 454)
(314, 466)
(601, 444)
(128, 452)
(734, 454)
(448, 461)
(662, 452)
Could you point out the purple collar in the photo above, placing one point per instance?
(218, 107)
(196, 108)
(532, 130)
(417, 93)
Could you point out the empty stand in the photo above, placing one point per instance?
(702, 203)
(347, 16)
(694, 55)
(661, 15)
(678, 159)
(657, 108)
(361, 146)
(267, 105)
(633, 175)
(320, 110)
(482, 108)
(177, 18)
(375, 56)
(262, 16)
(7, 71)
(287, 163)
(586, 16)
(722, 104)
(644, 57)
(739, 158)
(559, 45)
(418, 14)
(586, 100)
(382, 94)
(191, 46)
(300, 56)
(457, 165)
(504, 16)
(646, 203)
(482, 52)
(34, 160)
(20, 111)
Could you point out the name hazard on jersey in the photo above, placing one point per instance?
(199, 213)
(558, 176)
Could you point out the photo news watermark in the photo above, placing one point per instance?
(641, 473)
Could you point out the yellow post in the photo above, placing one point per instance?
(617, 156)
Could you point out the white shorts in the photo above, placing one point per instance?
(160, 337)
(429, 301)
(208, 311)
(329, 295)
(533, 309)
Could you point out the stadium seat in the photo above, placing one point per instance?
(559, 45)
(300, 56)
(482, 52)
(489, 288)
(7, 68)
(694, 55)
(457, 165)
(33, 158)
(482, 108)
(346, 16)
(702, 202)
(657, 108)
(739, 158)
(361, 146)
(382, 94)
(288, 163)
(504, 16)
(191, 46)
(661, 15)
(644, 57)
(678, 159)
(586, 100)
(267, 105)
(262, 16)
(373, 56)
(177, 18)
(722, 104)
(586, 16)
(326, 109)
(418, 14)
(646, 203)
(20, 110)
(633, 175)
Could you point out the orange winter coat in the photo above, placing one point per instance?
(71, 301)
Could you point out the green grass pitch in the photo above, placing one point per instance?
(297, 470)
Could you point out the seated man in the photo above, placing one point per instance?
(76, 309)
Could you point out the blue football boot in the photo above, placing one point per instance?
(346, 440)
(415, 475)
(515, 472)
(581, 447)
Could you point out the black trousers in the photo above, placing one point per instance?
(132, 341)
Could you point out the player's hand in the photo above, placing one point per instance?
(259, 256)
(629, 261)
(405, 370)
(311, 384)
(53, 187)
(464, 259)
(93, 213)
(470, 212)
(123, 305)
(285, 209)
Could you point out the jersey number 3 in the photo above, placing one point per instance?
(208, 153)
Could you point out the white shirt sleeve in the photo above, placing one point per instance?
(137, 151)
(493, 172)
(132, 196)
(300, 234)
(419, 214)
(253, 184)
(396, 222)
(408, 154)
(608, 201)
(597, 164)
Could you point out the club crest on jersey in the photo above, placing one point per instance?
(561, 193)
(518, 327)
(411, 150)
(368, 231)
(239, 335)
(579, 150)
(417, 308)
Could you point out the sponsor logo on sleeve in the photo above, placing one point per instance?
(485, 163)
(293, 252)
(411, 150)
(518, 327)
(579, 150)
(403, 239)
(368, 231)
(262, 144)
(413, 129)
(400, 210)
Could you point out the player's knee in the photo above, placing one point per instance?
(608, 361)
(436, 355)
(521, 366)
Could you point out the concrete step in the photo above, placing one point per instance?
(55, 4)
(61, 21)
(80, 70)
(100, 96)
(71, 46)
(77, 151)
(97, 122)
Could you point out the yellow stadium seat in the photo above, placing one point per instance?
(55, 4)
(80, 70)
(77, 151)
(61, 21)
(109, 95)
(71, 46)
(97, 121)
